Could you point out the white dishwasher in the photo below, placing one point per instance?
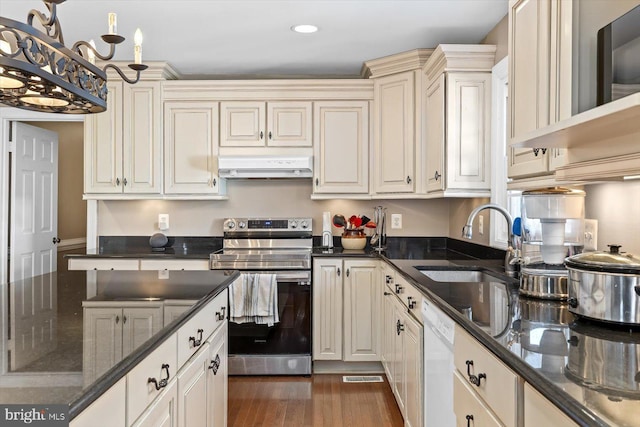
(439, 330)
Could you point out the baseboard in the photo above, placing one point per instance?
(72, 243)
(339, 367)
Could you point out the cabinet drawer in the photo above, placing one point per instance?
(103, 264)
(538, 411)
(498, 387)
(196, 330)
(174, 264)
(140, 392)
(108, 408)
(469, 410)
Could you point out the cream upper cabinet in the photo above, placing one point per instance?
(191, 148)
(540, 57)
(457, 116)
(260, 124)
(341, 147)
(123, 145)
(394, 133)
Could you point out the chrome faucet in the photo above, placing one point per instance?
(512, 257)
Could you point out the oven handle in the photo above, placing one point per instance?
(286, 276)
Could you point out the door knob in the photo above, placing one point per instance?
(56, 240)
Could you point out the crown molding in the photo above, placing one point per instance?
(460, 57)
(397, 63)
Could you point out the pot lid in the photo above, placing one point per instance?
(610, 261)
(557, 191)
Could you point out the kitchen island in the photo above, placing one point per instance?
(51, 333)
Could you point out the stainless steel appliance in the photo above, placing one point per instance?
(605, 286)
(279, 246)
(552, 229)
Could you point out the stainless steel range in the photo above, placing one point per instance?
(269, 332)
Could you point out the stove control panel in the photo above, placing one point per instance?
(267, 224)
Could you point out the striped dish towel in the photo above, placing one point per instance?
(254, 298)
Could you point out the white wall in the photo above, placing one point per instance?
(616, 206)
(264, 198)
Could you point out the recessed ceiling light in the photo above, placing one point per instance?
(304, 28)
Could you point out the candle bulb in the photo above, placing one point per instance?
(137, 47)
(91, 55)
(113, 23)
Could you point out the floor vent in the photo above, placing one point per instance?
(362, 379)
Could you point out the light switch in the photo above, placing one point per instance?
(163, 222)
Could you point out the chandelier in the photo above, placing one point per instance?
(37, 71)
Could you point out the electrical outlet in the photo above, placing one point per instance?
(590, 234)
(163, 222)
(396, 220)
(481, 225)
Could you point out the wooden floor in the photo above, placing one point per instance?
(322, 400)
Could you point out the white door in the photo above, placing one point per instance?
(34, 202)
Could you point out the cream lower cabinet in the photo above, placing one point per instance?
(341, 148)
(346, 310)
(217, 378)
(403, 350)
(469, 409)
(163, 410)
(191, 148)
(487, 379)
(112, 331)
(538, 411)
(109, 409)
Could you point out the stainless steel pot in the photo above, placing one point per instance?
(605, 286)
(604, 359)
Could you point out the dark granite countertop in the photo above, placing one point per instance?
(43, 353)
(590, 370)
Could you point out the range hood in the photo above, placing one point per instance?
(265, 166)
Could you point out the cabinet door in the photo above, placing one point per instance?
(469, 409)
(217, 383)
(109, 408)
(103, 145)
(163, 411)
(388, 335)
(398, 355)
(327, 309)
(526, 162)
(191, 147)
(102, 341)
(540, 77)
(142, 138)
(394, 133)
(341, 149)
(193, 399)
(138, 325)
(413, 358)
(289, 124)
(243, 124)
(435, 134)
(361, 311)
(468, 143)
(538, 411)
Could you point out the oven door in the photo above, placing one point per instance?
(283, 348)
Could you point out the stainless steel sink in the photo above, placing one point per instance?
(460, 276)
